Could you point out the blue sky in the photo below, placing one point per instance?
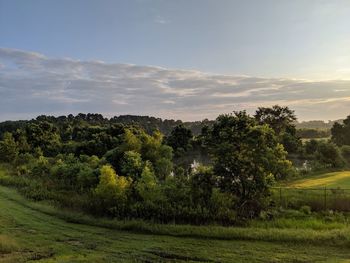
(201, 55)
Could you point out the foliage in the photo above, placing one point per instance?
(340, 132)
(125, 167)
(313, 133)
(131, 164)
(245, 156)
(112, 190)
(281, 120)
(180, 139)
(8, 148)
(147, 186)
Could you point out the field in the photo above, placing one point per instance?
(37, 232)
(325, 191)
(330, 180)
(32, 232)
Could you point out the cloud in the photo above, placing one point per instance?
(160, 20)
(32, 84)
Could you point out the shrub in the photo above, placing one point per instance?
(305, 209)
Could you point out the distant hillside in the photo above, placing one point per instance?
(316, 124)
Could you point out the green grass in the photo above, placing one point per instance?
(331, 180)
(38, 234)
(323, 191)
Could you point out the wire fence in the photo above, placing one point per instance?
(318, 199)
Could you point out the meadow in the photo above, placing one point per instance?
(340, 179)
(32, 232)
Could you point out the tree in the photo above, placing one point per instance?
(341, 132)
(281, 120)
(130, 142)
(180, 138)
(345, 152)
(245, 155)
(202, 183)
(112, 190)
(147, 186)
(44, 135)
(278, 118)
(328, 155)
(157, 153)
(86, 178)
(131, 164)
(8, 148)
(311, 147)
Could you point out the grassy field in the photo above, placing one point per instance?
(321, 192)
(38, 232)
(30, 234)
(331, 180)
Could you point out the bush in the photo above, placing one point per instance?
(305, 209)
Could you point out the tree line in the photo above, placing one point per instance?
(121, 168)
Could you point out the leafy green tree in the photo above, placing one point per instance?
(244, 154)
(86, 178)
(311, 147)
(131, 164)
(328, 155)
(22, 143)
(112, 190)
(281, 120)
(341, 132)
(8, 148)
(44, 135)
(147, 186)
(180, 139)
(158, 154)
(277, 117)
(131, 142)
(324, 154)
(345, 152)
(202, 183)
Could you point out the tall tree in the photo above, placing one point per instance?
(245, 156)
(277, 117)
(180, 138)
(281, 120)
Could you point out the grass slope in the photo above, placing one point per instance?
(41, 237)
(331, 180)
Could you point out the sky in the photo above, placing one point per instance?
(183, 59)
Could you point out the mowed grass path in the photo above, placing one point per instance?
(330, 180)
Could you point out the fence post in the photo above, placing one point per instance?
(325, 198)
(280, 196)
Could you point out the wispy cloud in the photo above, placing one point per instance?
(32, 84)
(161, 20)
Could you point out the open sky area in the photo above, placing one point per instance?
(183, 59)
